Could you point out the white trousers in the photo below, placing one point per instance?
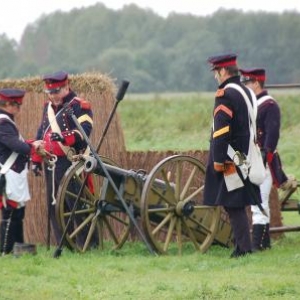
(265, 189)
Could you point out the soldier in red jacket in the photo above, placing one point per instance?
(225, 185)
(59, 135)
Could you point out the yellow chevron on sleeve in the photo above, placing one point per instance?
(221, 131)
(224, 109)
(85, 118)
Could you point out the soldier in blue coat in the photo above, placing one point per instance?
(225, 184)
(14, 157)
(59, 135)
(268, 132)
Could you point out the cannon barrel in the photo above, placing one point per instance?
(284, 229)
(91, 165)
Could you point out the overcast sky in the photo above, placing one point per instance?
(16, 14)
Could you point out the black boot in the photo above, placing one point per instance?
(7, 237)
(259, 234)
(2, 235)
(267, 239)
(19, 236)
(238, 253)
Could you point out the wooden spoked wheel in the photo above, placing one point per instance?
(96, 223)
(172, 214)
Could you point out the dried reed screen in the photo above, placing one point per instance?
(100, 91)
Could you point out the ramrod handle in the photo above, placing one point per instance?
(122, 90)
(120, 95)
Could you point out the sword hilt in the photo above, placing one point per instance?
(239, 158)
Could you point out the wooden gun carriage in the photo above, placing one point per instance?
(165, 204)
(99, 204)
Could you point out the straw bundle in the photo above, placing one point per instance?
(99, 89)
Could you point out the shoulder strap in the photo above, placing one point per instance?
(263, 99)
(12, 158)
(9, 162)
(3, 116)
(252, 108)
(55, 127)
(53, 115)
(52, 119)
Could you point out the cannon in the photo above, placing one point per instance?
(99, 204)
(167, 203)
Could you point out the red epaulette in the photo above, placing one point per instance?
(220, 93)
(84, 104)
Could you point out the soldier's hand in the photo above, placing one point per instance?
(37, 168)
(39, 147)
(55, 136)
(38, 144)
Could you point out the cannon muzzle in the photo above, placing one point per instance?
(91, 165)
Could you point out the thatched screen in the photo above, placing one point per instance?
(99, 90)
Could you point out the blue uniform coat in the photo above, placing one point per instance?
(81, 110)
(230, 126)
(268, 132)
(268, 123)
(10, 142)
(84, 115)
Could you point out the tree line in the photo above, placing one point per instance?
(156, 54)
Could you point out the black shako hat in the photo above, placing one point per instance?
(12, 95)
(224, 60)
(258, 74)
(55, 81)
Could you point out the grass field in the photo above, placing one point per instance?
(167, 122)
(133, 273)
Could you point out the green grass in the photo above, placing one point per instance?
(165, 122)
(133, 273)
